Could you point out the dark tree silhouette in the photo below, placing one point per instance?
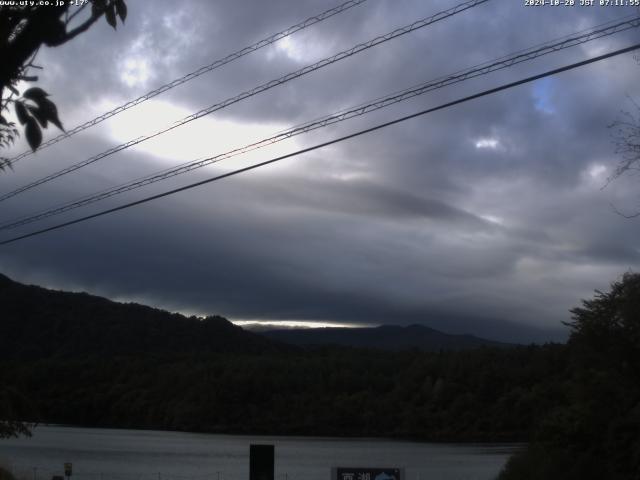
(24, 29)
(596, 432)
(609, 326)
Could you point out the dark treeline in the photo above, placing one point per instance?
(486, 394)
(577, 405)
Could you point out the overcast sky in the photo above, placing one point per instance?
(486, 218)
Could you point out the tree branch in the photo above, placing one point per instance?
(84, 26)
(76, 12)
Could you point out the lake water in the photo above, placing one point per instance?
(104, 454)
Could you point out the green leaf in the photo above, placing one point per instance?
(21, 113)
(33, 133)
(110, 15)
(121, 9)
(35, 93)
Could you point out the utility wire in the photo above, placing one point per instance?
(362, 109)
(331, 142)
(614, 24)
(196, 73)
(255, 91)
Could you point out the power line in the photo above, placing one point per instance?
(331, 142)
(362, 109)
(255, 91)
(196, 73)
(617, 25)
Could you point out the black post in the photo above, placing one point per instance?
(261, 462)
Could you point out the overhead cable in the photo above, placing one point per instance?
(255, 91)
(383, 102)
(325, 144)
(195, 74)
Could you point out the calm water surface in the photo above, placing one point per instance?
(103, 454)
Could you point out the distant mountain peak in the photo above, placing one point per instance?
(384, 337)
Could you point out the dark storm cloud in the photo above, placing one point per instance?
(485, 218)
(360, 197)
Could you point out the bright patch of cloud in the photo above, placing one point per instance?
(595, 175)
(596, 171)
(491, 143)
(204, 137)
(291, 49)
(301, 49)
(492, 219)
(136, 64)
(135, 71)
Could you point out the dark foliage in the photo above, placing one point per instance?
(40, 323)
(25, 27)
(112, 365)
(6, 474)
(89, 361)
(595, 432)
(481, 395)
(14, 408)
(37, 323)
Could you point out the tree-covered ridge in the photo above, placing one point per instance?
(41, 323)
(577, 404)
(85, 360)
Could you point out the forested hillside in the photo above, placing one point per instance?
(41, 323)
(79, 359)
(577, 404)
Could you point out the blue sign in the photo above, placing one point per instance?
(344, 473)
